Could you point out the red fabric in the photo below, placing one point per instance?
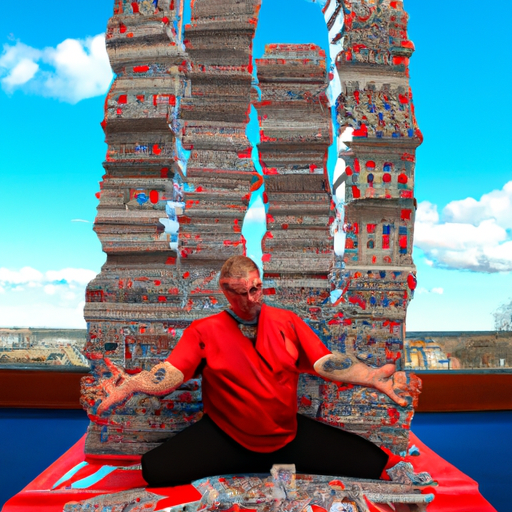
(393, 460)
(39, 495)
(456, 492)
(250, 391)
(371, 506)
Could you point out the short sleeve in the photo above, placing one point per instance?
(311, 348)
(188, 353)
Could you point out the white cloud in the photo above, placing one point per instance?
(74, 70)
(81, 220)
(44, 314)
(256, 213)
(23, 276)
(71, 276)
(495, 205)
(28, 276)
(469, 234)
(438, 291)
(50, 289)
(54, 298)
(21, 73)
(12, 55)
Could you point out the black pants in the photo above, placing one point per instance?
(205, 450)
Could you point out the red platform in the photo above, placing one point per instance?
(73, 477)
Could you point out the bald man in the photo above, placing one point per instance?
(250, 357)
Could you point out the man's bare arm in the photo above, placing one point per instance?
(160, 380)
(343, 368)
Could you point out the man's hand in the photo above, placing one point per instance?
(390, 382)
(386, 379)
(160, 380)
(113, 390)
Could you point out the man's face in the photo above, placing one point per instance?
(245, 294)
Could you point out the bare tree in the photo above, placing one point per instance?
(503, 317)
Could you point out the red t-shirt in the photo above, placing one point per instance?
(250, 390)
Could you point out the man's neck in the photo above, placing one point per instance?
(254, 321)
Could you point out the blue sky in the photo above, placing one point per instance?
(53, 79)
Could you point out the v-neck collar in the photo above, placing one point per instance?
(241, 320)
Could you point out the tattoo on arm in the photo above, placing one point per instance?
(161, 379)
(337, 363)
(159, 375)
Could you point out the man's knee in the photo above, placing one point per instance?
(158, 472)
(148, 470)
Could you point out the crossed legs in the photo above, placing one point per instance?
(205, 450)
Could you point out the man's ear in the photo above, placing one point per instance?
(224, 288)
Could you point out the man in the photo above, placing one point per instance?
(250, 357)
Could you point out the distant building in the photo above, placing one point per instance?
(426, 354)
(493, 350)
(38, 348)
(14, 338)
(458, 350)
